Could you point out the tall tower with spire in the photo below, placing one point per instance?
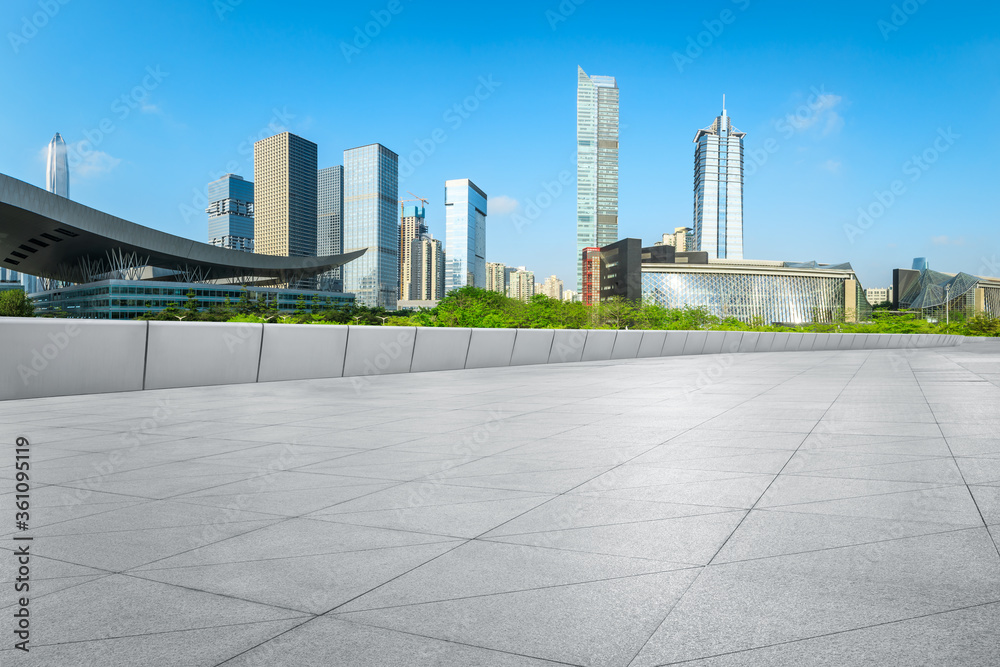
(718, 188)
(596, 164)
(57, 168)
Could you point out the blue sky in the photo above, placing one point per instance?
(837, 100)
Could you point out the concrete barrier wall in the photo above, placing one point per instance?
(532, 346)
(490, 348)
(199, 354)
(50, 357)
(378, 350)
(600, 345)
(652, 344)
(567, 345)
(440, 349)
(58, 357)
(302, 352)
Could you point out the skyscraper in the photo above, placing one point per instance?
(411, 226)
(371, 194)
(284, 169)
(521, 284)
(57, 168)
(496, 277)
(596, 163)
(230, 213)
(718, 189)
(427, 264)
(465, 234)
(56, 182)
(329, 223)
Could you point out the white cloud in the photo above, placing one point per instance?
(86, 162)
(817, 111)
(832, 166)
(502, 205)
(947, 240)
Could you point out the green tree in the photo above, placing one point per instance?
(191, 306)
(15, 303)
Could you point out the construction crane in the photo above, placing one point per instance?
(402, 202)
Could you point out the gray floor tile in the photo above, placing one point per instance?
(595, 623)
(750, 604)
(326, 641)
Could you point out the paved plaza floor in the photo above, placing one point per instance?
(791, 508)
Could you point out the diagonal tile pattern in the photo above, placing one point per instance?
(828, 508)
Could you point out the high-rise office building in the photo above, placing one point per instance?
(718, 189)
(230, 213)
(57, 168)
(427, 264)
(412, 226)
(596, 163)
(465, 234)
(284, 170)
(552, 288)
(496, 277)
(329, 223)
(371, 221)
(521, 285)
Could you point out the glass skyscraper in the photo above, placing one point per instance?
(57, 168)
(718, 189)
(230, 213)
(465, 235)
(329, 222)
(371, 220)
(284, 168)
(596, 164)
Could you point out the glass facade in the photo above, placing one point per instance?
(939, 295)
(329, 222)
(718, 190)
(128, 299)
(596, 163)
(771, 297)
(230, 213)
(465, 235)
(57, 168)
(371, 221)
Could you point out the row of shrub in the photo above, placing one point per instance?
(473, 307)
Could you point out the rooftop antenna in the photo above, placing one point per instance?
(723, 104)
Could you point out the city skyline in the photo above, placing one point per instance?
(813, 171)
